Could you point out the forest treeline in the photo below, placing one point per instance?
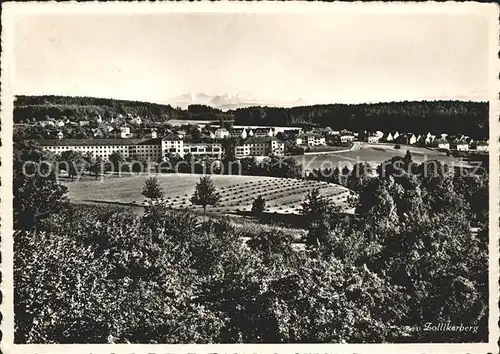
(452, 117)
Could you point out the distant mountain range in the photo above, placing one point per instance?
(226, 102)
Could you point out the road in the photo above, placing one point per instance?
(356, 145)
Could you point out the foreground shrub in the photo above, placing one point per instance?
(107, 276)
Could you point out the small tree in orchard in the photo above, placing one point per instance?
(315, 208)
(205, 193)
(152, 189)
(259, 205)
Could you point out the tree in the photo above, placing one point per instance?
(152, 189)
(407, 159)
(228, 146)
(284, 167)
(75, 161)
(36, 195)
(259, 205)
(140, 165)
(95, 166)
(116, 159)
(205, 193)
(358, 176)
(344, 173)
(314, 209)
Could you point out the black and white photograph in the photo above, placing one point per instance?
(250, 173)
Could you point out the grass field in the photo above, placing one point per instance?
(374, 154)
(283, 196)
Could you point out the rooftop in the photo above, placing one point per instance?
(260, 139)
(86, 142)
(156, 141)
(172, 137)
(305, 135)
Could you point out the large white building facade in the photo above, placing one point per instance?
(260, 146)
(151, 149)
(102, 148)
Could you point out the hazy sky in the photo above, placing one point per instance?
(272, 57)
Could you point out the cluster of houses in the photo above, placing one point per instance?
(119, 127)
(442, 141)
(252, 140)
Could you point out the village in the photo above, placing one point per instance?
(133, 136)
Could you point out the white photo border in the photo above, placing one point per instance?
(12, 10)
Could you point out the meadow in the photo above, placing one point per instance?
(373, 154)
(283, 196)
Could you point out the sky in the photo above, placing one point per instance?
(271, 57)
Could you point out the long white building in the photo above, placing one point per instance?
(150, 149)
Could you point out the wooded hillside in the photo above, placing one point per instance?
(453, 117)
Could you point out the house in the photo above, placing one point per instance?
(99, 119)
(260, 146)
(181, 133)
(310, 139)
(84, 123)
(263, 132)
(287, 130)
(125, 132)
(328, 130)
(373, 138)
(136, 121)
(464, 138)
(250, 133)
(60, 135)
(105, 127)
(97, 133)
(221, 133)
(459, 145)
(462, 146)
(389, 137)
(154, 134)
(481, 145)
(395, 136)
(60, 123)
(442, 144)
(429, 139)
(238, 133)
(346, 136)
(412, 140)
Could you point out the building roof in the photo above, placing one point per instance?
(237, 130)
(460, 143)
(441, 141)
(86, 142)
(156, 141)
(260, 139)
(172, 137)
(345, 132)
(305, 135)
